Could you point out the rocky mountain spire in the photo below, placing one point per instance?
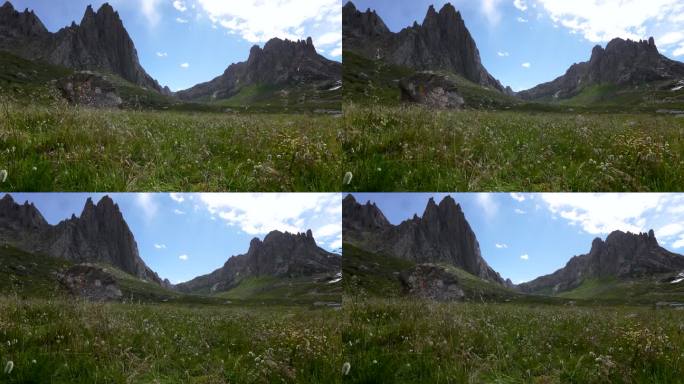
(99, 235)
(278, 63)
(100, 42)
(441, 42)
(622, 255)
(441, 235)
(278, 255)
(622, 62)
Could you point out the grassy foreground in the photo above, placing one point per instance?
(63, 148)
(78, 342)
(404, 341)
(408, 148)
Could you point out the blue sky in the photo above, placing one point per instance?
(527, 42)
(185, 42)
(181, 236)
(523, 236)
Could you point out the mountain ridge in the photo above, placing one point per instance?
(99, 42)
(99, 234)
(441, 235)
(278, 63)
(621, 62)
(426, 46)
(622, 255)
(280, 254)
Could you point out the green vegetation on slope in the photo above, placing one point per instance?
(77, 342)
(299, 290)
(647, 290)
(28, 275)
(60, 148)
(416, 149)
(405, 341)
(370, 274)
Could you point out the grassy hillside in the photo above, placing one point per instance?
(77, 342)
(375, 82)
(410, 341)
(637, 291)
(301, 290)
(406, 148)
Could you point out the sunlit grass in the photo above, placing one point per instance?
(62, 148)
(77, 342)
(414, 149)
(405, 341)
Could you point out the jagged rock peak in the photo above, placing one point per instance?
(446, 15)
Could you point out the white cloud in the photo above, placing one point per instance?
(519, 197)
(526, 65)
(678, 51)
(181, 20)
(491, 10)
(603, 213)
(147, 204)
(501, 246)
(150, 10)
(679, 243)
(336, 244)
(178, 212)
(669, 230)
(525, 257)
(522, 19)
(487, 203)
(177, 197)
(503, 54)
(180, 5)
(183, 257)
(286, 19)
(603, 20)
(337, 51)
(261, 213)
(185, 65)
(519, 211)
(160, 246)
(520, 4)
(670, 38)
(162, 54)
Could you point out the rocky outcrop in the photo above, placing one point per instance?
(89, 89)
(91, 282)
(433, 282)
(441, 235)
(278, 255)
(622, 255)
(622, 62)
(441, 42)
(279, 63)
(432, 90)
(100, 42)
(99, 235)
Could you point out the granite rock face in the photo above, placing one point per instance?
(99, 235)
(622, 62)
(429, 281)
(622, 255)
(278, 63)
(278, 255)
(432, 90)
(100, 42)
(441, 235)
(91, 282)
(441, 42)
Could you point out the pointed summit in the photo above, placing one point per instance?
(623, 255)
(279, 255)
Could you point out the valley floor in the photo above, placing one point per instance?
(407, 341)
(80, 342)
(408, 148)
(63, 148)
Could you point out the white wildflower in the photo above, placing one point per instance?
(348, 178)
(9, 367)
(346, 367)
(3, 175)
